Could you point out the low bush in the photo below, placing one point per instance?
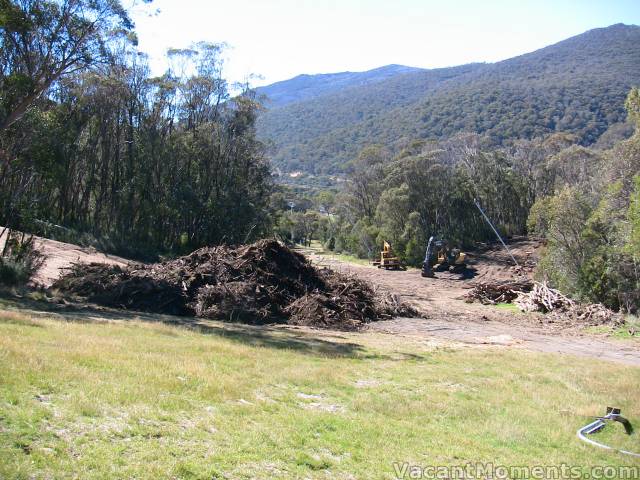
(20, 260)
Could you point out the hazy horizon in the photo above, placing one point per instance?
(280, 39)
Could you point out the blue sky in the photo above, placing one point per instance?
(279, 39)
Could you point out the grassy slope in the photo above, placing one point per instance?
(124, 399)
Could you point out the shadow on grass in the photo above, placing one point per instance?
(327, 343)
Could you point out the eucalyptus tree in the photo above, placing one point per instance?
(42, 40)
(140, 164)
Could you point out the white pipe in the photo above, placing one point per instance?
(581, 436)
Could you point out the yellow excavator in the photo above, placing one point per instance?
(440, 257)
(388, 259)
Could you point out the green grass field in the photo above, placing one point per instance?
(96, 397)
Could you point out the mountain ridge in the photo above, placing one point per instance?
(306, 86)
(577, 85)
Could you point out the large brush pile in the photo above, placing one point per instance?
(260, 283)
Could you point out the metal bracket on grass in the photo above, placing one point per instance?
(613, 414)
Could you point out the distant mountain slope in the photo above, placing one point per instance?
(577, 85)
(306, 87)
(300, 123)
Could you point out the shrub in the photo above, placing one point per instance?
(20, 259)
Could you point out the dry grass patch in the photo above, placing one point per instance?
(128, 399)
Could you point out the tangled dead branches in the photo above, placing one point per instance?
(260, 283)
(492, 293)
(543, 298)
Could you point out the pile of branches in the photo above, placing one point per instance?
(265, 282)
(596, 314)
(502, 292)
(545, 299)
(531, 296)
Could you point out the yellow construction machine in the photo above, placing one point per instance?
(440, 257)
(388, 259)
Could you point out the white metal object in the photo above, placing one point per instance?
(597, 425)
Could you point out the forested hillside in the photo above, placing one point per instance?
(584, 201)
(314, 123)
(307, 87)
(577, 86)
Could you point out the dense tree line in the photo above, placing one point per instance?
(430, 188)
(591, 219)
(93, 145)
(585, 202)
(576, 86)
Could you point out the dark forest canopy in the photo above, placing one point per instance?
(576, 86)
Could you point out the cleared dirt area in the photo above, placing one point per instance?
(62, 255)
(446, 315)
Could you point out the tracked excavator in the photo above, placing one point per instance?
(440, 257)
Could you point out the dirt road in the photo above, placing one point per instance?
(448, 316)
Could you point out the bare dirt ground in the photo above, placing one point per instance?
(60, 255)
(447, 315)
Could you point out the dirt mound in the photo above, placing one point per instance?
(264, 282)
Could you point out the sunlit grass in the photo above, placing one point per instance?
(507, 306)
(630, 330)
(133, 399)
(319, 249)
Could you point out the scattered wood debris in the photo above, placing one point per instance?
(531, 296)
(502, 292)
(542, 298)
(596, 314)
(265, 282)
(545, 299)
